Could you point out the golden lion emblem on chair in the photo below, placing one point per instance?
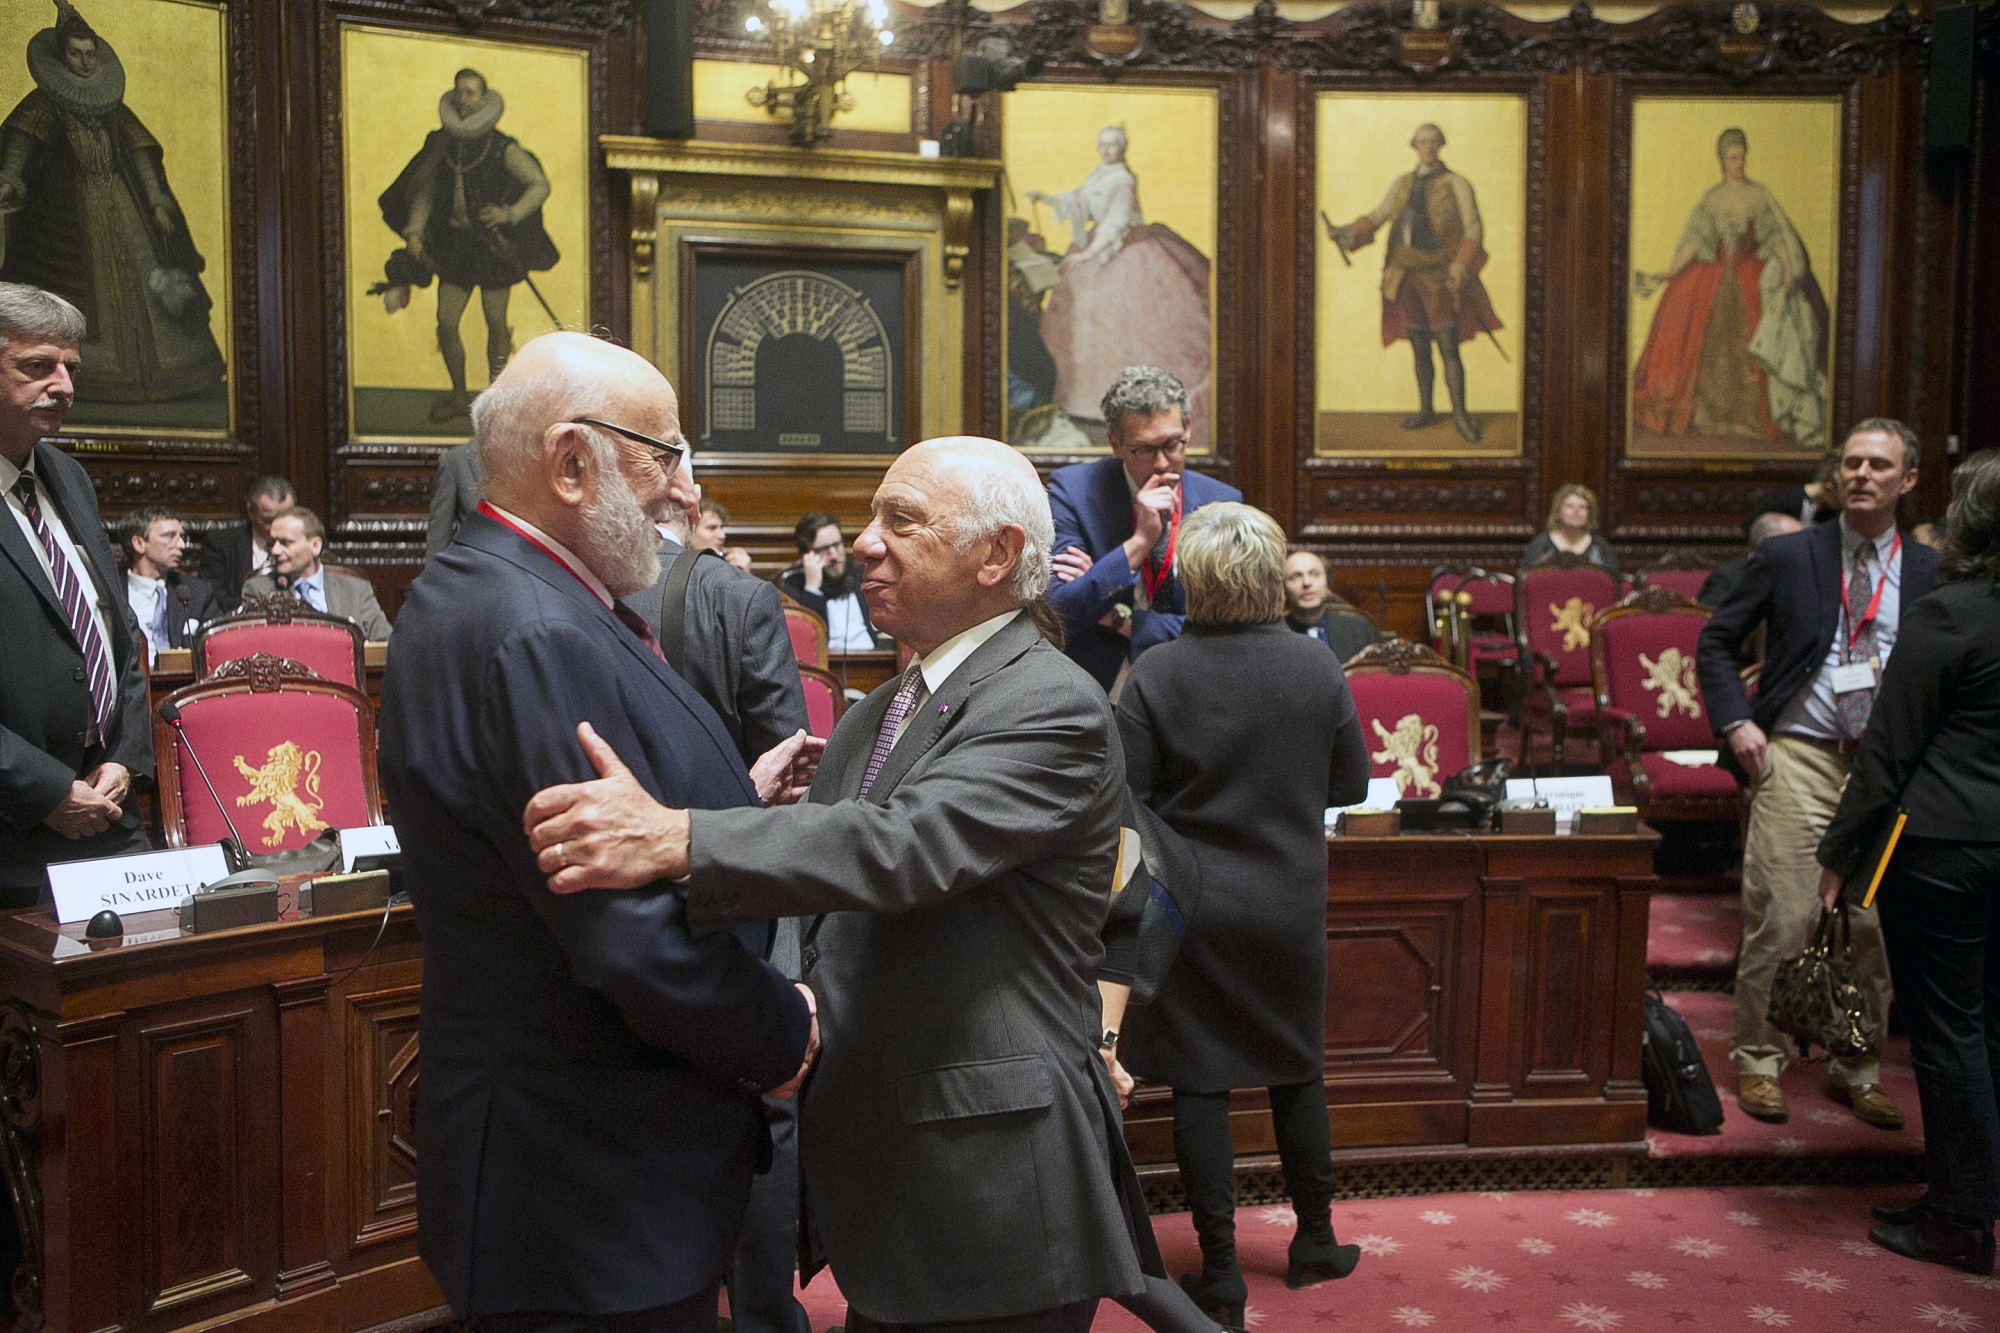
(1573, 619)
(277, 782)
(1413, 748)
(1673, 677)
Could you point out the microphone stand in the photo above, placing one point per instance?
(232, 847)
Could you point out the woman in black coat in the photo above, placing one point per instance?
(1239, 734)
(1932, 748)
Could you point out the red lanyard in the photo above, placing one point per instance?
(1153, 576)
(1855, 627)
(537, 543)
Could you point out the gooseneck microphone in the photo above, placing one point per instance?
(232, 846)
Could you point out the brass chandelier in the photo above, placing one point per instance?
(818, 43)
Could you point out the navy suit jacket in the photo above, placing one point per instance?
(590, 1118)
(1092, 508)
(1791, 585)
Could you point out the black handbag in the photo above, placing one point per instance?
(1680, 1095)
(1815, 998)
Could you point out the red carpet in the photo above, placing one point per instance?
(1692, 934)
(1817, 1127)
(1788, 1257)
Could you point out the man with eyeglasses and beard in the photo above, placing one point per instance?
(592, 1067)
(823, 582)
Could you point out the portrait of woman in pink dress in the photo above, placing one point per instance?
(1128, 292)
(1736, 352)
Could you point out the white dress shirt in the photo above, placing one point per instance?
(144, 596)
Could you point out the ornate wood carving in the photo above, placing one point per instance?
(20, 1151)
(1400, 657)
(1654, 600)
(1417, 497)
(264, 672)
(602, 15)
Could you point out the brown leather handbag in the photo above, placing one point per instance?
(1815, 998)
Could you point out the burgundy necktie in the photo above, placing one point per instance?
(900, 707)
(1851, 708)
(76, 608)
(633, 621)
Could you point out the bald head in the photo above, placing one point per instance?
(1767, 526)
(593, 489)
(960, 533)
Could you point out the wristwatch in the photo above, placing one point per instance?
(1107, 1040)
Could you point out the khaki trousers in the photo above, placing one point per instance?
(1791, 804)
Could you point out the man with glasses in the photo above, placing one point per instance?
(168, 605)
(823, 582)
(592, 1067)
(1117, 521)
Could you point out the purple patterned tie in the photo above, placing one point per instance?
(1851, 709)
(900, 708)
(96, 661)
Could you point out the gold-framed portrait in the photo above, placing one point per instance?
(1420, 283)
(115, 194)
(466, 212)
(1733, 250)
(1110, 199)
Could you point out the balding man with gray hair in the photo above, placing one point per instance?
(960, 1136)
(590, 1118)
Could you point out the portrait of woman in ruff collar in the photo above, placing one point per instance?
(87, 211)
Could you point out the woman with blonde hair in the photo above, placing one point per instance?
(1572, 529)
(1239, 735)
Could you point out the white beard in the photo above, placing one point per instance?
(619, 541)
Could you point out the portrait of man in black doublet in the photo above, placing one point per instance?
(469, 209)
(86, 212)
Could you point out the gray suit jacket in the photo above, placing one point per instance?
(738, 653)
(958, 1134)
(346, 595)
(454, 492)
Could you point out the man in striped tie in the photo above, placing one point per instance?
(74, 732)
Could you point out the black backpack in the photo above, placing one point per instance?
(1680, 1096)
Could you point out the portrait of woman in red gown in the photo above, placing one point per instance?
(1736, 352)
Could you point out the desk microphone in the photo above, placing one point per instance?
(232, 846)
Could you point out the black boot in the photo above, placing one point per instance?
(1420, 348)
(1938, 1237)
(1902, 1214)
(1305, 1152)
(1454, 383)
(1208, 1177)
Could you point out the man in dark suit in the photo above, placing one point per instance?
(735, 651)
(168, 605)
(590, 1118)
(958, 1134)
(1830, 599)
(74, 730)
(231, 556)
(1314, 610)
(297, 538)
(454, 492)
(1112, 577)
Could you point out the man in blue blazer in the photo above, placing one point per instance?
(590, 1119)
(1830, 599)
(1112, 578)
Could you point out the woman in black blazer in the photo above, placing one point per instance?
(1932, 748)
(1239, 734)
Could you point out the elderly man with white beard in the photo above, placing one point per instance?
(590, 1119)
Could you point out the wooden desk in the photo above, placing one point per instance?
(863, 670)
(213, 1129)
(1482, 992)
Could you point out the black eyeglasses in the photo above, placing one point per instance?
(670, 454)
(829, 548)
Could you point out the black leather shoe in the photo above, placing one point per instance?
(1940, 1238)
(1313, 1261)
(1221, 1299)
(1901, 1214)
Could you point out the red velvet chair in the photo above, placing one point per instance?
(1682, 580)
(1492, 649)
(282, 626)
(808, 631)
(1642, 660)
(825, 701)
(292, 754)
(1554, 604)
(1419, 715)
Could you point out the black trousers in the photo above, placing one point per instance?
(1940, 906)
(760, 1275)
(1207, 1162)
(1063, 1319)
(696, 1314)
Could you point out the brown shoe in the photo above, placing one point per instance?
(1759, 1095)
(1870, 1104)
